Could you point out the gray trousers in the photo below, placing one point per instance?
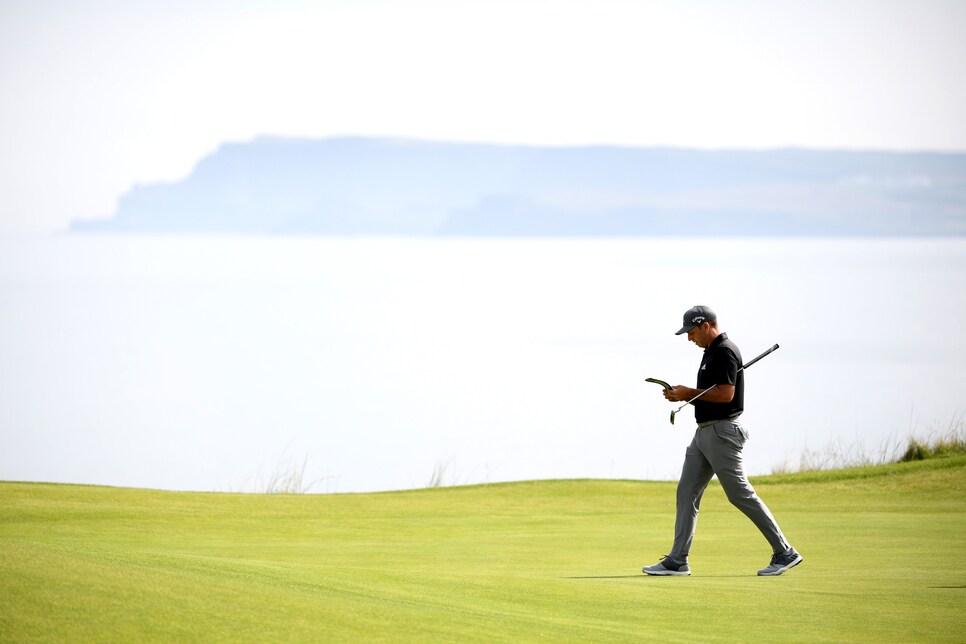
(716, 449)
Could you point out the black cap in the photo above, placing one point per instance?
(695, 316)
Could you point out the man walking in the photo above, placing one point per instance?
(716, 448)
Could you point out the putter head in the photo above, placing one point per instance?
(672, 416)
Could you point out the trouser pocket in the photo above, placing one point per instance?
(731, 433)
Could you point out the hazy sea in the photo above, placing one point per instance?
(362, 364)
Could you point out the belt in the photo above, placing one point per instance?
(708, 423)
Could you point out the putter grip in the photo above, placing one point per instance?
(658, 381)
(754, 360)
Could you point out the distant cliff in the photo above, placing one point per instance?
(352, 186)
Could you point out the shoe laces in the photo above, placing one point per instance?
(782, 557)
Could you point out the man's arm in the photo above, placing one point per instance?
(720, 394)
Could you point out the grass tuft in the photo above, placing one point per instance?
(949, 441)
(439, 474)
(289, 478)
(943, 448)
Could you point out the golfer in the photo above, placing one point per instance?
(716, 448)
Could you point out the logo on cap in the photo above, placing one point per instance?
(698, 315)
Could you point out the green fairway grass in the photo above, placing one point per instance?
(547, 560)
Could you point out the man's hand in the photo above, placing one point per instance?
(677, 393)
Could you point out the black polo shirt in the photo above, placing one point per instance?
(720, 366)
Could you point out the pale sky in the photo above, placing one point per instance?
(100, 95)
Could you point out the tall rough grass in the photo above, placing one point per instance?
(950, 443)
(438, 478)
(936, 443)
(288, 478)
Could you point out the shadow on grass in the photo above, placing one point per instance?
(643, 576)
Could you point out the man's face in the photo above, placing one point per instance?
(699, 335)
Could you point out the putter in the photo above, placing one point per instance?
(744, 366)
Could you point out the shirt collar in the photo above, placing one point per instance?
(718, 340)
